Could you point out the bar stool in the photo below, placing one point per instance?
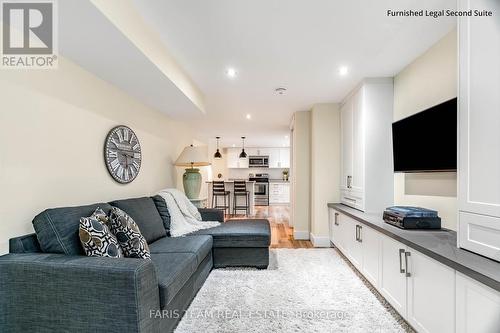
(219, 190)
(240, 190)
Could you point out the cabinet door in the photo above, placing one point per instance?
(243, 162)
(274, 157)
(371, 255)
(285, 195)
(232, 157)
(342, 234)
(355, 247)
(479, 123)
(479, 116)
(333, 228)
(431, 294)
(346, 129)
(358, 142)
(392, 277)
(478, 307)
(284, 158)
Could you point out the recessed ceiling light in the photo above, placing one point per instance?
(234, 145)
(280, 90)
(343, 70)
(231, 73)
(249, 116)
(286, 136)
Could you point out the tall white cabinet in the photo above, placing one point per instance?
(367, 176)
(479, 130)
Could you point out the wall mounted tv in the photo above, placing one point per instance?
(427, 141)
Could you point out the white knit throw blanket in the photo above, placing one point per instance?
(184, 216)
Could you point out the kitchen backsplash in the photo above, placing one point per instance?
(243, 173)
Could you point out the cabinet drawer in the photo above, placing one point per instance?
(480, 234)
(352, 199)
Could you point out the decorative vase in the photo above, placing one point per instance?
(191, 179)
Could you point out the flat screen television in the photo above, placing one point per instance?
(427, 141)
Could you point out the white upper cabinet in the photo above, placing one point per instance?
(367, 176)
(278, 157)
(284, 158)
(233, 159)
(479, 130)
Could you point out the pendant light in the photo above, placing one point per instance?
(217, 154)
(243, 154)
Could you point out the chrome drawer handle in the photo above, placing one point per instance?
(401, 269)
(407, 254)
(336, 219)
(359, 232)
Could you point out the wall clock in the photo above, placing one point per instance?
(122, 154)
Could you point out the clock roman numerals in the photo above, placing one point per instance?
(123, 154)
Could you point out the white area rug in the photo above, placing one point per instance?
(310, 290)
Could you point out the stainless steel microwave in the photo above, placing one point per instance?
(258, 161)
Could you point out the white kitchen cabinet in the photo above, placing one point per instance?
(393, 274)
(479, 134)
(233, 159)
(371, 240)
(367, 175)
(274, 157)
(477, 307)
(284, 157)
(431, 294)
(353, 244)
(339, 233)
(279, 193)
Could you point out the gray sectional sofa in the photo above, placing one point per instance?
(47, 284)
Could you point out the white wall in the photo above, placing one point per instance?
(53, 124)
(301, 175)
(325, 168)
(428, 80)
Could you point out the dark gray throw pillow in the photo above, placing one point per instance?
(161, 205)
(129, 235)
(96, 238)
(143, 211)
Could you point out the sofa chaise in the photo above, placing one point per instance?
(47, 284)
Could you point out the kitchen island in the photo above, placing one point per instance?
(230, 188)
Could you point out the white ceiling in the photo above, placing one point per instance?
(296, 44)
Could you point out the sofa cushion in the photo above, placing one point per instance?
(129, 235)
(200, 246)
(96, 238)
(161, 205)
(173, 270)
(57, 228)
(145, 214)
(240, 233)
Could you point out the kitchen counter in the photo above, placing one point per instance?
(440, 245)
(279, 181)
(231, 181)
(229, 184)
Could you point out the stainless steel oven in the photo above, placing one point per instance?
(261, 189)
(258, 161)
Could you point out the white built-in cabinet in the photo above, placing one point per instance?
(478, 307)
(431, 296)
(367, 176)
(279, 193)
(279, 158)
(233, 159)
(479, 130)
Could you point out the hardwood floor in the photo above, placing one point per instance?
(281, 232)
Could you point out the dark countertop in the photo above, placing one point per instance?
(440, 245)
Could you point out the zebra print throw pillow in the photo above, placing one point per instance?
(129, 236)
(96, 239)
